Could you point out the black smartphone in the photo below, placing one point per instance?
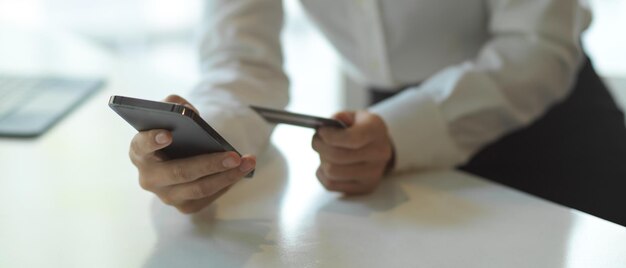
(191, 135)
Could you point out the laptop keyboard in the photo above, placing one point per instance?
(14, 90)
(29, 105)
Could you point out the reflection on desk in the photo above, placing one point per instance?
(444, 219)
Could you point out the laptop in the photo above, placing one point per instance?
(30, 105)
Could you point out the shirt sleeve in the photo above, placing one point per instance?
(241, 64)
(529, 63)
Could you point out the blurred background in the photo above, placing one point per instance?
(156, 39)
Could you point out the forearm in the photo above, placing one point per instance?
(241, 64)
(526, 66)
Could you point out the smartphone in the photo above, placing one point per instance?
(191, 135)
(303, 120)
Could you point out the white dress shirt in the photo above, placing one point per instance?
(487, 67)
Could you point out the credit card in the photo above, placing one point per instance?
(283, 117)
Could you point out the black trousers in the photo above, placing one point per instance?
(575, 155)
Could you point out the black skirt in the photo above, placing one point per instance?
(574, 155)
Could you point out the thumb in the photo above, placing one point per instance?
(347, 117)
(180, 100)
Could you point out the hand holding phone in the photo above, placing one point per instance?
(188, 180)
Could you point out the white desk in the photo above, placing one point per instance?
(71, 199)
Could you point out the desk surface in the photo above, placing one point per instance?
(71, 199)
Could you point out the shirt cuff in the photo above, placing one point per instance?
(418, 131)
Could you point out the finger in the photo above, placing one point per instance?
(145, 143)
(353, 137)
(185, 170)
(210, 185)
(194, 206)
(339, 155)
(347, 117)
(180, 100)
(349, 138)
(352, 172)
(366, 128)
(347, 187)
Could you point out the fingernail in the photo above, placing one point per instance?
(229, 162)
(246, 166)
(161, 138)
